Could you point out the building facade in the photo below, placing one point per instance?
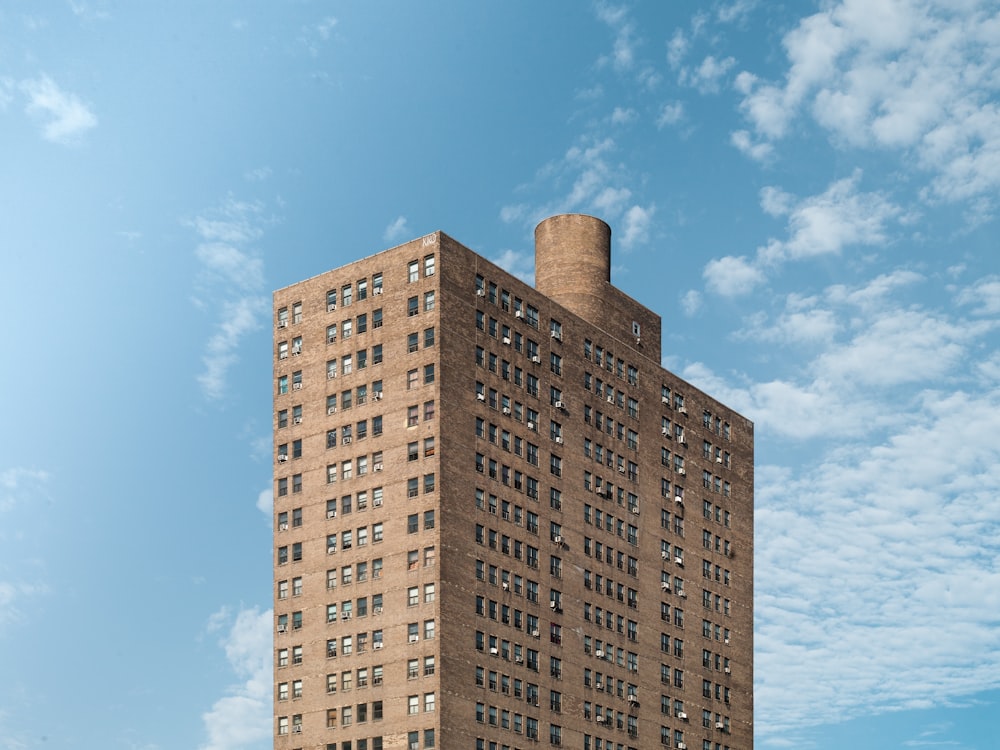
(499, 523)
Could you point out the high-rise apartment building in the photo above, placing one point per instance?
(499, 522)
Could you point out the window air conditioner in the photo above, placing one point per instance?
(296, 386)
(681, 471)
(682, 410)
(518, 314)
(296, 728)
(718, 459)
(377, 645)
(331, 307)
(621, 469)
(665, 432)
(719, 725)
(296, 420)
(377, 611)
(480, 396)
(665, 586)
(678, 499)
(558, 404)
(413, 638)
(377, 467)
(727, 670)
(480, 292)
(611, 399)
(664, 555)
(534, 633)
(557, 539)
(331, 514)
(556, 335)
(282, 324)
(282, 457)
(494, 651)
(282, 628)
(377, 396)
(331, 410)
(505, 586)
(599, 718)
(559, 440)
(553, 605)
(536, 359)
(531, 425)
(599, 653)
(679, 560)
(283, 527)
(506, 410)
(346, 441)
(506, 340)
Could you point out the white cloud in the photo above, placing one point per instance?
(65, 116)
(233, 277)
(325, 27)
(396, 230)
(983, 296)
(670, 114)
(636, 226)
(243, 717)
(265, 502)
(258, 174)
(917, 78)
(623, 116)
(706, 77)
(19, 482)
(826, 223)
(732, 276)
(735, 12)
(677, 48)
(691, 302)
(758, 151)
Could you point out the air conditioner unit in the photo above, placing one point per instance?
(480, 292)
(494, 651)
(480, 396)
(505, 586)
(283, 527)
(345, 616)
(377, 645)
(633, 698)
(536, 359)
(679, 560)
(531, 425)
(718, 459)
(331, 550)
(376, 610)
(506, 340)
(282, 324)
(331, 307)
(413, 638)
(553, 605)
(377, 290)
(296, 728)
(282, 628)
(682, 410)
(665, 586)
(558, 404)
(330, 410)
(681, 746)
(621, 469)
(557, 539)
(331, 339)
(682, 594)
(296, 351)
(599, 718)
(378, 501)
(556, 335)
(346, 441)
(727, 670)
(726, 641)
(282, 457)
(665, 432)
(682, 439)
(377, 467)
(682, 716)
(534, 633)
(681, 471)
(719, 725)
(506, 410)
(377, 396)
(518, 314)
(519, 659)
(296, 386)
(679, 499)
(283, 355)
(664, 555)
(331, 513)
(558, 439)
(296, 420)
(599, 653)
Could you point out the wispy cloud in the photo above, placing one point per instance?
(825, 224)
(910, 77)
(521, 264)
(397, 230)
(243, 716)
(894, 515)
(64, 115)
(233, 276)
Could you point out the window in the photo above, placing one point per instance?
(428, 301)
(428, 374)
(428, 337)
(429, 265)
(413, 271)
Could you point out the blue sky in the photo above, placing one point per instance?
(807, 192)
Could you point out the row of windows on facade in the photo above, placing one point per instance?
(608, 522)
(355, 362)
(606, 651)
(512, 512)
(295, 655)
(358, 291)
(606, 585)
(507, 614)
(512, 304)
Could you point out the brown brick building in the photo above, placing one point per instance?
(499, 522)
